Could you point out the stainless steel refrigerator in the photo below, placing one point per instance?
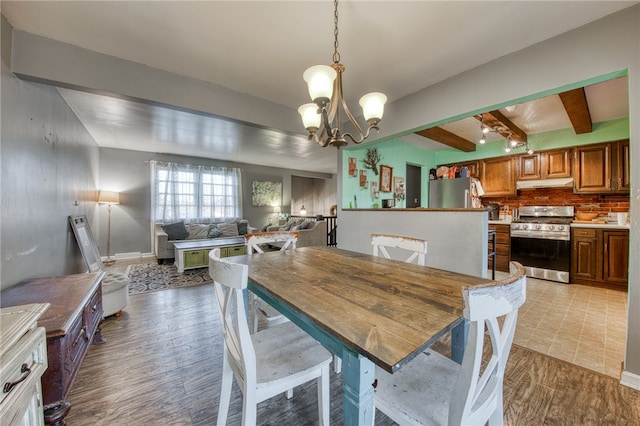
(450, 193)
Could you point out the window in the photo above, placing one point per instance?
(195, 193)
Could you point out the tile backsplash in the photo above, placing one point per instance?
(601, 203)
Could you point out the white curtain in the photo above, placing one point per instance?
(195, 193)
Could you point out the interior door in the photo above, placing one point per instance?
(414, 186)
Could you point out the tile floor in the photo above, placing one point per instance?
(580, 324)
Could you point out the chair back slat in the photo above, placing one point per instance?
(230, 280)
(478, 390)
(417, 247)
(255, 240)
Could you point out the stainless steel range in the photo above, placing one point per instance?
(540, 241)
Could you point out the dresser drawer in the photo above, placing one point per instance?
(23, 365)
(93, 311)
(75, 344)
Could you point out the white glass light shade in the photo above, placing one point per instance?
(303, 211)
(373, 105)
(482, 140)
(310, 116)
(320, 79)
(513, 143)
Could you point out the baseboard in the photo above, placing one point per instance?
(130, 255)
(631, 380)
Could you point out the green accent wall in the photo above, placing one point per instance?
(602, 132)
(393, 153)
(398, 154)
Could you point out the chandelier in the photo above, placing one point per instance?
(325, 89)
(511, 142)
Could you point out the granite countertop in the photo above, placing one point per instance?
(505, 221)
(600, 225)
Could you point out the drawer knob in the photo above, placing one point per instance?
(8, 387)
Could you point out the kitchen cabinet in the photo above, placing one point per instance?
(503, 247)
(601, 168)
(498, 176)
(544, 165)
(600, 256)
(616, 257)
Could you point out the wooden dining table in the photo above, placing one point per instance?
(368, 310)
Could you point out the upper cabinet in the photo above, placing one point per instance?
(498, 176)
(601, 168)
(544, 165)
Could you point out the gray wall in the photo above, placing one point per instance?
(456, 240)
(49, 162)
(128, 172)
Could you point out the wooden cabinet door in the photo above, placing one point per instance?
(616, 257)
(623, 176)
(498, 176)
(584, 258)
(556, 164)
(528, 167)
(592, 168)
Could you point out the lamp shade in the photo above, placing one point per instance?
(373, 105)
(319, 80)
(310, 117)
(109, 197)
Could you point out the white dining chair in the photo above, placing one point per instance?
(434, 390)
(255, 242)
(416, 246)
(266, 363)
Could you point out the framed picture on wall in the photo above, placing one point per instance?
(352, 167)
(266, 193)
(363, 178)
(386, 175)
(374, 189)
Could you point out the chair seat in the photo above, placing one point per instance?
(286, 351)
(428, 377)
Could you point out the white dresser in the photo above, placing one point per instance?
(23, 350)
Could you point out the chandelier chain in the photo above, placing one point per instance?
(336, 55)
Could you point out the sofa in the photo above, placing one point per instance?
(311, 232)
(165, 234)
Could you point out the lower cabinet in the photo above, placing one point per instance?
(503, 247)
(600, 256)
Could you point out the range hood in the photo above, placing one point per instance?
(545, 183)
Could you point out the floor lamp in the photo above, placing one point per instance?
(109, 198)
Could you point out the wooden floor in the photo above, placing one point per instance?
(161, 366)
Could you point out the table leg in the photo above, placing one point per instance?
(459, 335)
(358, 374)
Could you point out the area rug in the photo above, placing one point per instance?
(147, 277)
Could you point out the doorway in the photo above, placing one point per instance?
(414, 186)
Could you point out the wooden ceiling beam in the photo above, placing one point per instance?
(445, 137)
(496, 119)
(575, 103)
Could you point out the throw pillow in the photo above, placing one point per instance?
(176, 231)
(229, 229)
(214, 232)
(287, 226)
(198, 231)
(306, 224)
(242, 228)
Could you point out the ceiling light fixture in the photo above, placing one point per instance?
(325, 88)
(502, 130)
